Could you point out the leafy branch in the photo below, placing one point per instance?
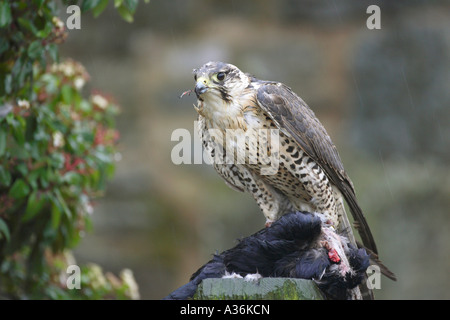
(57, 151)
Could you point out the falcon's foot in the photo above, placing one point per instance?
(269, 222)
(253, 277)
(232, 275)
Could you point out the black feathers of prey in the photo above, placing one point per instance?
(289, 248)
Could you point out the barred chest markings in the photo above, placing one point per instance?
(297, 177)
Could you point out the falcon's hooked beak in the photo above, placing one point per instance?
(201, 86)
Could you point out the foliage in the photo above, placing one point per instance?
(57, 151)
(31, 31)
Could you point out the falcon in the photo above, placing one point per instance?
(309, 175)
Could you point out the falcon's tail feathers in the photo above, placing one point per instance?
(375, 261)
(362, 226)
(360, 221)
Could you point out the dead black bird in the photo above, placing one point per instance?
(290, 247)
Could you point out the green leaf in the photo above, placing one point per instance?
(45, 31)
(44, 178)
(19, 189)
(18, 64)
(36, 202)
(117, 3)
(72, 178)
(66, 92)
(22, 168)
(89, 4)
(27, 25)
(39, 3)
(131, 5)
(35, 49)
(5, 177)
(2, 141)
(62, 203)
(33, 177)
(8, 83)
(57, 160)
(4, 230)
(4, 45)
(18, 130)
(56, 216)
(5, 13)
(52, 50)
(126, 14)
(85, 106)
(51, 83)
(101, 6)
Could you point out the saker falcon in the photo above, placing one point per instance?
(310, 175)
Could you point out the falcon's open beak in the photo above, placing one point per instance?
(201, 86)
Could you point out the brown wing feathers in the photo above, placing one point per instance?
(296, 119)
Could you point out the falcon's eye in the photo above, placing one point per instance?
(220, 76)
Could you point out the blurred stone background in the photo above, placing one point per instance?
(383, 96)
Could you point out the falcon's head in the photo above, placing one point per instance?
(218, 80)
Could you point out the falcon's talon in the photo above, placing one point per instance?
(198, 109)
(232, 275)
(252, 277)
(268, 223)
